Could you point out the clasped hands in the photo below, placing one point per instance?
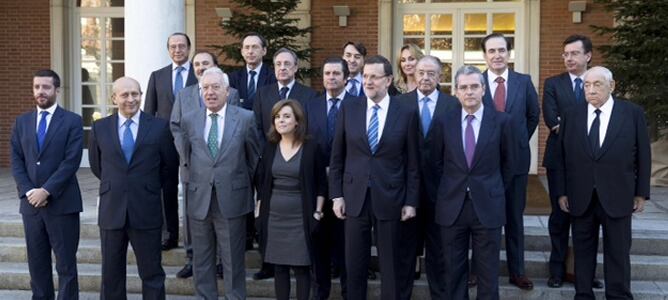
(37, 197)
(339, 207)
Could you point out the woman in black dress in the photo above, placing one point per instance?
(292, 190)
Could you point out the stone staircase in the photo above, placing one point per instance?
(649, 269)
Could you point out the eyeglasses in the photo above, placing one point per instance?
(472, 87)
(372, 77)
(571, 54)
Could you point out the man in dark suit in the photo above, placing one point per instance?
(46, 149)
(221, 144)
(603, 178)
(473, 151)
(286, 65)
(560, 92)
(374, 177)
(126, 152)
(190, 99)
(513, 93)
(431, 104)
(256, 74)
(353, 54)
(322, 113)
(163, 86)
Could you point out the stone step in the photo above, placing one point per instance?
(15, 283)
(645, 241)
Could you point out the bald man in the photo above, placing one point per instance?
(125, 153)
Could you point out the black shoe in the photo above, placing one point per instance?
(186, 272)
(169, 245)
(219, 270)
(263, 274)
(554, 282)
(597, 284)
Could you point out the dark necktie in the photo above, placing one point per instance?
(500, 94)
(178, 81)
(594, 138)
(353, 87)
(41, 130)
(212, 140)
(331, 120)
(372, 131)
(469, 140)
(251, 85)
(425, 116)
(128, 144)
(578, 90)
(283, 94)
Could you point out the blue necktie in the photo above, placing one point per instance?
(251, 85)
(425, 116)
(594, 138)
(178, 81)
(284, 92)
(41, 130)
(128, 144)
(353, 87)
(579, 92)
(331, 120)
(372, 132)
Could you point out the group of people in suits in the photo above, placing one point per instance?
(324, 177)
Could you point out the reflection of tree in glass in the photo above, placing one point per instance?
(441, 44)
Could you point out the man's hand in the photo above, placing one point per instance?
(638, 204)
(257, 208)
(407, 212)
(37, 197)
(339, 208)
(563, 203)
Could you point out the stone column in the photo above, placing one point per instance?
(148, 23)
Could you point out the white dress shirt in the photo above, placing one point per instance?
(475, 124)
(290, 85)
(50, 111)
(221, 124)
(604, 118)
(573, 77)
(257, 74)
(431, 104)
(382, 113)
(183, 73)
(358, 85)
(491, 77)
(133, 127)
(330, 97)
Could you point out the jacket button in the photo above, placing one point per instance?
(38, 163)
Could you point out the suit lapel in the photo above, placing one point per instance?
(320, 117)
(392, 114)
(360, 114)
(454, 127)
(486, 129)
(52, 130)
(439, 110)
(616, 123)
(199, 122)
(113, 132)
(231, 122)
(567, 85)
(166, 78)
(512, 89)
(581, 123)
(143, 130)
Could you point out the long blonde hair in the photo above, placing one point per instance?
(402, 80)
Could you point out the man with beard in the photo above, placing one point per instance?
(46, 151)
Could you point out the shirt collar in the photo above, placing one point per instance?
(50, 110)
(606, 108)
(122, 119)
(221, 112)
(433, 96)
(358, 77)
(491, 76)
(573, 76)
(290, 85)
(257, 69)
(384, 104)
(477, 114)
(186, 66)
(340, 96)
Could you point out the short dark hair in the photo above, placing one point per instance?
(509, 46)
(340, 61)
(586, 42)
(263, 41)
(181, 34)
(358, 46)
(49, 73)
(213, 57)
(300, 132)
(379, 59)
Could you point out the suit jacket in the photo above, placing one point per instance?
(618, 172)
(522, 105)
(54, 167)
(313, 183)
(230, 172)
(131, 191)
(429, 174)
(188, 100)
(239, 81)
(558, 96)
(490, 172)
(268, 95)
(392, 174)
(160, 92)
(316, 113)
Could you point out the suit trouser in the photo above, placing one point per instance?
(45, 232)
(434, 259)
(146, 246)
(411, 236)
(616, 252)
(559, 225)
(170, 203)
(486, 243)
(516, 198)
(358, 246)
(229, 236)
(187, 237)
(328, 243)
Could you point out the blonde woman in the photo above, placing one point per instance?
(406, 63)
